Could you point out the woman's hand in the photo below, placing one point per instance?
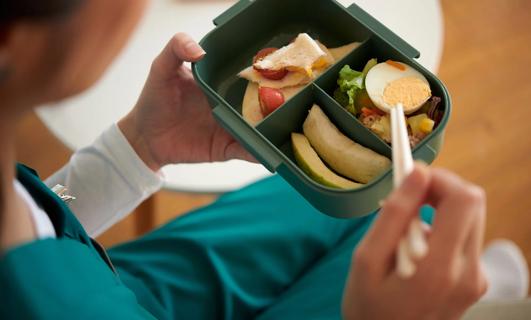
(448, 280)
(172, 121)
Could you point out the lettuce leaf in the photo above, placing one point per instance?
(350, 81)
(341, 97)
(351, 107)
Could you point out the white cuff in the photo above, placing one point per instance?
(127, 161)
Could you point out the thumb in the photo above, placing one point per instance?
(181, 48)
(235, 151)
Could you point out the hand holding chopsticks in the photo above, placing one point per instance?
(448, 279)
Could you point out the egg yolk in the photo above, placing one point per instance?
(409, 91)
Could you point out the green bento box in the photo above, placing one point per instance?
(249, 26)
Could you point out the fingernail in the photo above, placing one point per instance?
(418, 246)
(405, 267)
(194, 50)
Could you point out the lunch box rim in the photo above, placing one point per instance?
(410, 54)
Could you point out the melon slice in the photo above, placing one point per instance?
(345, 156)
(309, 162)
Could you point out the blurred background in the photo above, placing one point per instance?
(486, 63)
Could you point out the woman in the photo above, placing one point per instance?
(259, 252)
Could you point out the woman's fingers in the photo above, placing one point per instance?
(416, 239)
(451, 269)
(460, 212)
(405, 265)
(474, 243)
(181, 48)
(459, 205)
(473, 283)
(397, 212)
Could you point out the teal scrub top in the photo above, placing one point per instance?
(53, 278)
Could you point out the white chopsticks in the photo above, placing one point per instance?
(413, 246)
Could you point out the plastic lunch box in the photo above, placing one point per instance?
(249, 26)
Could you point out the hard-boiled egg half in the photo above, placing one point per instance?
(392, 82)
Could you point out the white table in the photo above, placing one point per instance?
(78, 121)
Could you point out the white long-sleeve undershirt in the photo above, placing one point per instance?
(108, 179)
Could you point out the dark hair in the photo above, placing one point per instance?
(13, 10)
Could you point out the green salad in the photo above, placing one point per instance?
(352, 95)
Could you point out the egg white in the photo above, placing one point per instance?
(381, 75)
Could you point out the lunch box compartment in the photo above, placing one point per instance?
(251, 25)
(268, 23)
(277, 129)
(377, 48)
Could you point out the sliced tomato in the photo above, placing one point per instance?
(270, 99)
(273, 74)
(269, 74)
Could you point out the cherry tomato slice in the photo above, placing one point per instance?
(273, 74)
(269, 74)
(270, 99)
